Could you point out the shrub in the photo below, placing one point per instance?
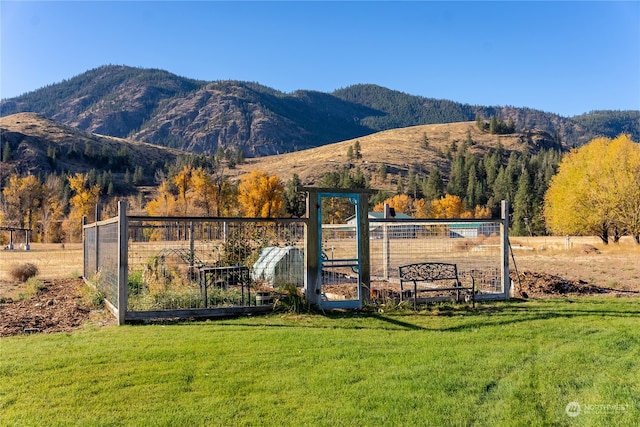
(92, 297)
(290, 299)
(23, 272)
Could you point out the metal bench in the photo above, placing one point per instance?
(435, 277)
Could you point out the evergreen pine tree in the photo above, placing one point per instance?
(491, 167)
(468, 141)
(138, 175)
(6, 152)
(458, 177)
(239, 156)
(470, 200)
(493, 125)
(293, 202)
(479, 122)
(382, 172)
(357, 151)
(522, 206)
(425, 140)
(412, 184)
(434, 186)
(359, 180)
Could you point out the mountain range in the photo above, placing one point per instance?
(157, 107)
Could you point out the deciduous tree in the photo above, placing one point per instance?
(449, 206)
(261, 195)
(165, 204)
(400, 203)
(23, 196)
(83, 203)
(596, 190)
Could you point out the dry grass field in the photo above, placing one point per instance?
(54, 261)
(398, 149)
(615, 266)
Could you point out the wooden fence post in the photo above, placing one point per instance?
(123, 261)
(504, 246)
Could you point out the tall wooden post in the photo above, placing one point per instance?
(312, 250)
(363, 247)
(504, 252)
(386, 244)
(123, 261)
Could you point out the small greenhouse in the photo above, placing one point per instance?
(280, 266)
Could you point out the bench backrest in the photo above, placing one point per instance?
(428, 271)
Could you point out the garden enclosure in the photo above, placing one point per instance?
(189, 267)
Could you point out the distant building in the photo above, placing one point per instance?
(470, 229)
(395, 231)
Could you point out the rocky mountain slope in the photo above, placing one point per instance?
(36, 145)
(161, 108)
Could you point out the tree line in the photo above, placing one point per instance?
(591, 190)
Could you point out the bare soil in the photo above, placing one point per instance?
(59, 306)
(579, 265)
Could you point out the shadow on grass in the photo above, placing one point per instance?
(498, 313)
(463, 318)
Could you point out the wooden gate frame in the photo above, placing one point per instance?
(313, 245)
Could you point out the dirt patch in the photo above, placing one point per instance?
(534, 285)
(58, 306)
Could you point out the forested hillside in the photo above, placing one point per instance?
(52, 174)
(177, 146)
(161, 108)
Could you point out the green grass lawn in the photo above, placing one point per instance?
(506, 363)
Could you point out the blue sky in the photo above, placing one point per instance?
(562, 57)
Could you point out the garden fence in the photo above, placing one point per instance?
(188, 267)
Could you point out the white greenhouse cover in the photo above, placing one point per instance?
(280, 266)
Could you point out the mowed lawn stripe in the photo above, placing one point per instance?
(513, 363)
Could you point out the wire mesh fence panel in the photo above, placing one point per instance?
(475, 247)
(210, 263)
(89, 250)
(101, 258)
(204, 263)
(107, 276)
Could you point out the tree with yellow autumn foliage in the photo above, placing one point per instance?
(23, 197)
(261, 195)
(597, 190)
(165, 203)
(83, 203)
(450, 206)
(400, 203)
(447, 206)
(193, 191)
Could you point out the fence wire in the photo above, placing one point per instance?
(210, 263)
(475, 247)
(101, 258)
(198, 263)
